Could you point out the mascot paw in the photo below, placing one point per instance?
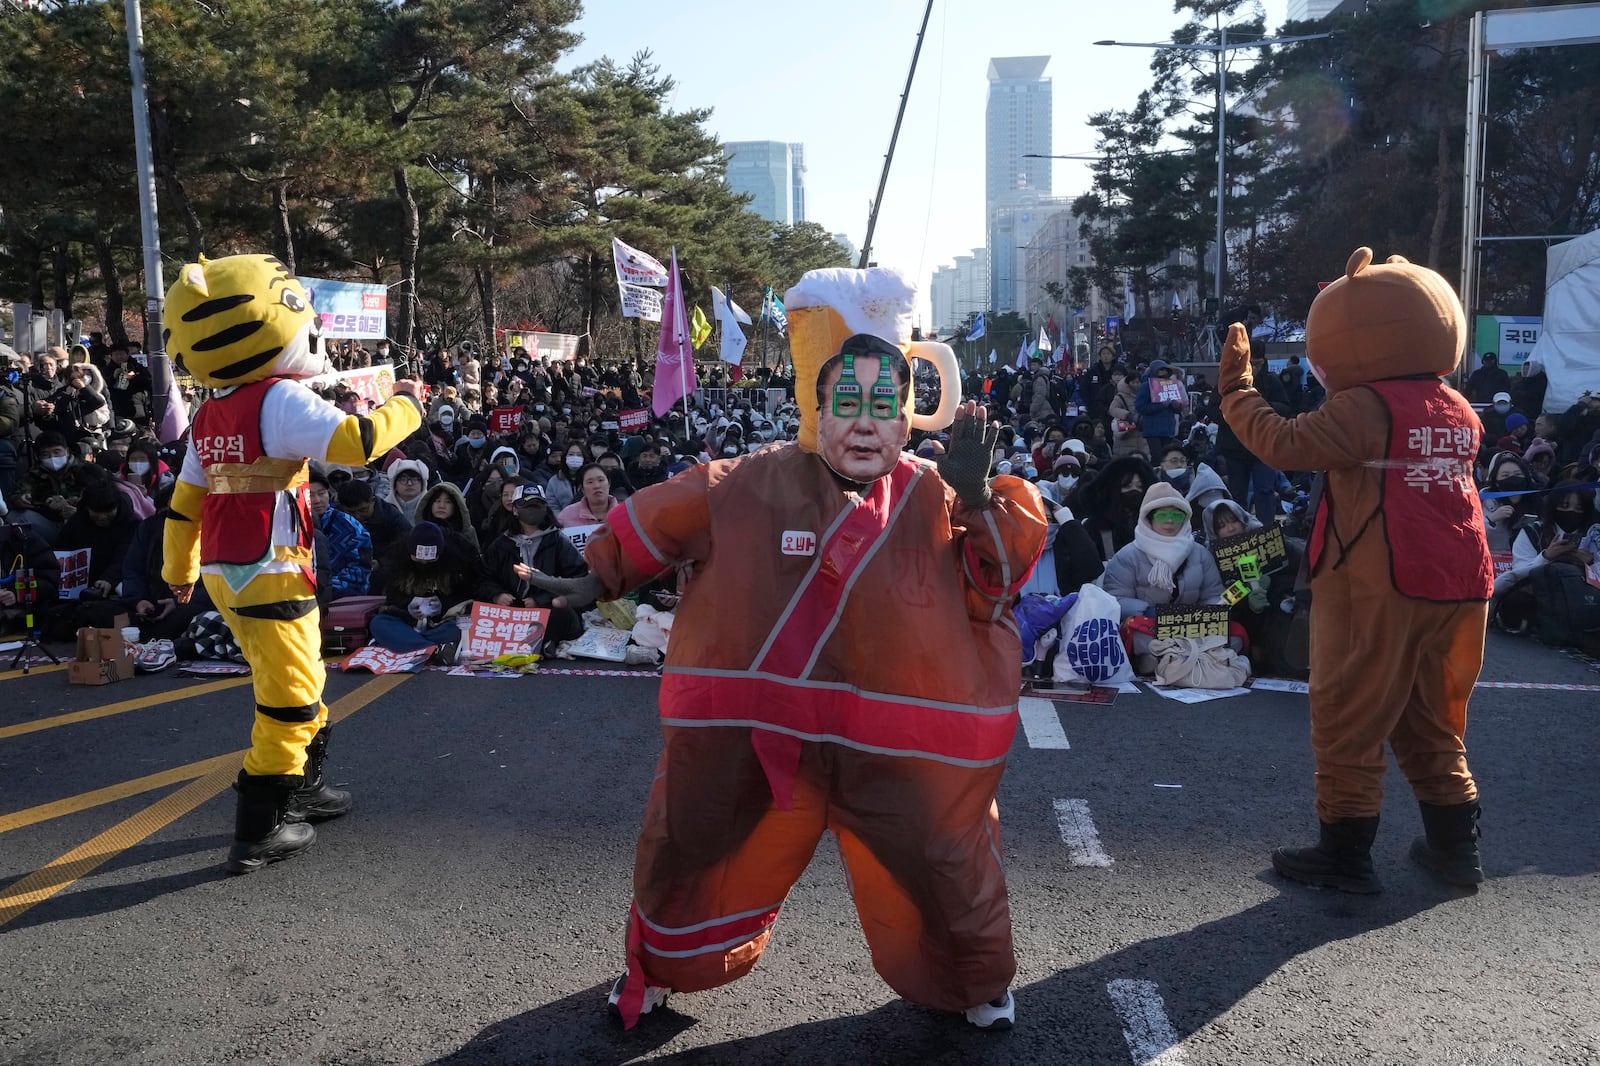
(1235, 372)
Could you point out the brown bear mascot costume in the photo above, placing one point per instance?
(1400, 569)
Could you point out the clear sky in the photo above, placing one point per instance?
(828, 74)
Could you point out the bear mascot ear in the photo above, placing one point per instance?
(1384, 320)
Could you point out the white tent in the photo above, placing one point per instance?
(1569, 343)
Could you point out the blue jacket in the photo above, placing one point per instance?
(1155, 420)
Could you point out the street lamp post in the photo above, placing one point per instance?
(1220, 50)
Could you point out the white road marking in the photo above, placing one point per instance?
(1078, 833)
(1041, 723)
(1149, 1035)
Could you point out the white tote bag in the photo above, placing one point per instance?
(1091, 651)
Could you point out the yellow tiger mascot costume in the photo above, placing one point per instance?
(241, 518)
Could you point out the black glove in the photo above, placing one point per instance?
(965, 464)
(585, 589)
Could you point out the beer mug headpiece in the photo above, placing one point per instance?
(840, 312)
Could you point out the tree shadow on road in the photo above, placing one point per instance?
(104, 899)
(1202, 973)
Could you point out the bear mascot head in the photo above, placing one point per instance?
(1380, 321)
(239, 319)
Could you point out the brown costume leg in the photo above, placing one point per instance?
(716, 858)
(1427, 741)
(1388, 668)
(921, 841)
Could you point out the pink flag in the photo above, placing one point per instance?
(675, 376)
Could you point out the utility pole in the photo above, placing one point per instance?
(155, 346)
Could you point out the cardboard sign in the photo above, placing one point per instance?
(634, 419)
(495, 631)
(579, 535)
(1264, 545)
(1191, 621)
(1168, 390)
(610, 645)
(504, 420)
(374, 384)
(74, 572)
(383, 661)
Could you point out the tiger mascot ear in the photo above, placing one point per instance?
(239, 319)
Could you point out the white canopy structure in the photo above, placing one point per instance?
(1569, 343)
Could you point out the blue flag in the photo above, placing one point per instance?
(977, 329)
(772, 310)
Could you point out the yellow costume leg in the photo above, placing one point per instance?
(276, 623)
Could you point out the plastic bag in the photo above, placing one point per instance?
(1091, 646)
(652, 628)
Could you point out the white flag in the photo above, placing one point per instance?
(1127, 300)
(722, 308)
(637, 268)
(994, 356)
(1044, 340)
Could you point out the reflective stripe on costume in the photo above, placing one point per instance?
(815, 710)
(703, 938)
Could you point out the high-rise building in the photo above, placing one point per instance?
(1311, 10)
(1017, 144)
(959, 291)
(797, 170)
(1014, 222)
(764, 171)
(849, 247)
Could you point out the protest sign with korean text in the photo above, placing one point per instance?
(1168, 390)
(505, 419)
(579, 535)
(74, 572)
(1265, 545)
(1192, 622)
(349, 310)
(494, 631)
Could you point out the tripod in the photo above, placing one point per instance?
(26, 586)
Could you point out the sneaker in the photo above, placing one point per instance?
(654, 996)
(444, 654)
(1000, 1014)
(154, 656)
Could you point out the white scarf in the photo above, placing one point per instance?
(1166, 553)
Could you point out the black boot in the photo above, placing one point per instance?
(1449, 850)
(314, 801)
(1341, 859)
(261, 832)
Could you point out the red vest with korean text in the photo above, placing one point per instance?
(1437, 547)
(236, 527)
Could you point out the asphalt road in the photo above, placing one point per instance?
(470, 910)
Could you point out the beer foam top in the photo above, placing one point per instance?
(880, 301)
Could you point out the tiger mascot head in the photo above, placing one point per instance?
(242, 318)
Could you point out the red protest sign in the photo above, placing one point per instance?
(505, 419)
(633, 419)
(495, 631)
(381, 660)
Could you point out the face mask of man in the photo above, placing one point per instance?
(477, 442)
(138, 467)
(1502, 408)
(574, 462)
(55, 462)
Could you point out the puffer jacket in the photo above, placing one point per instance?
(1127, 576)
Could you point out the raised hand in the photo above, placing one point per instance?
(965, 464)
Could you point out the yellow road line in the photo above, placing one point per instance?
(33, 671)
(171, 696)
(112, 793)
(22, 896)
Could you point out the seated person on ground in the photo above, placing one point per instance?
(514, 562)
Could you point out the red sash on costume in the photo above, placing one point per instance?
(236, 527)
(1438, 550)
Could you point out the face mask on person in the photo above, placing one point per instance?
(730, 450)
(138, 467)
(1512, 484)
(1132, 498)
(1066, 482)
(477, 442)
(55, 462)
(1502, 408)
(447, 420)
(1569, 521)
(508, 465)
(574, 462)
